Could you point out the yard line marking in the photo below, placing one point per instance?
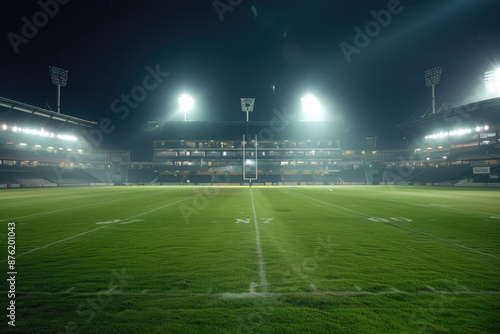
(59, 241)
(450, 207)
(444, 240)
(331, 204)
(229, 295)
(403, 227)
(262, 267)
(65, 209)
(159, 208)
(104, 226)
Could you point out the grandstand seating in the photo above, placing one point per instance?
(199, 178)
(440, 174)
(23, 177)
(353, 175)
(327, 178)
(146, 175)
(100, 175)
(170, 178)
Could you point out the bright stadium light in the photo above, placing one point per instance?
(492, 82)
(311, 107)
(456, 133)
(186, 104)
(67, 137)
(432, 78)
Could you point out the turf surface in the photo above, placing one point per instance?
(357, 259)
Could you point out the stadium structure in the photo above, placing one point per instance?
(451, 146)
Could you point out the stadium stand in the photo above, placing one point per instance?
(440, 174)
(167, 178)
(186, 153)
(353, 175)
(142, 175)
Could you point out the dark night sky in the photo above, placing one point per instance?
(107, 45)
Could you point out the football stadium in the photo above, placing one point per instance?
(246, 225)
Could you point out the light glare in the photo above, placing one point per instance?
(186, 103)
(311, 107)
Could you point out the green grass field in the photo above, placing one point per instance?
(358, 259)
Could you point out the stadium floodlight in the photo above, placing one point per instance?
(454, 133)
(311, 107)
(492, 81)
(432, 78)
(186, 104)
(59, 77)
(247, 104)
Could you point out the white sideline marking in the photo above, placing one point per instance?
(403, 227)
(109, 222)
(118, 221)
(229, 295)
(444, 206)
(104, 226)
(132, 221)
(262, 268)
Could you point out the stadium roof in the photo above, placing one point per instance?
(486, 112)
(37, 112)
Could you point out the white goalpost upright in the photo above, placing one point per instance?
(249, 162)
(247, 105)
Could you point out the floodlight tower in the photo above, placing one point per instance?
(59, 77)
(247, 104)
(432, 78)
(186, 104)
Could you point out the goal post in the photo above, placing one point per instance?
(250, 160)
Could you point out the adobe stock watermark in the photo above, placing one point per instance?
(222, 6)
(201, 199)
(425, 316)
(30, 28)
(126, 102)
(121, 106)
(372, 29)
(277, 124)
(310, 264)
(92, 306)
(251, 322)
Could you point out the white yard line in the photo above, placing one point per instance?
(400, 226)
(229, 295)
(59, 241)
(159, 208)
(262, 266)
(99, 228)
